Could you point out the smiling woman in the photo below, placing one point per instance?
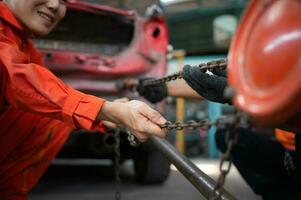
(38, 109)
(39, 17)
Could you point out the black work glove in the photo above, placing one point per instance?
(154, 93)
(208, 86)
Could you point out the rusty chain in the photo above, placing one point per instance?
(224, 168)
(223, 122)
(221, 64)
(230, 123)
(226, 160)
(117, 164)
(204, 124)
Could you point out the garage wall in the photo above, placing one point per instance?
(138, 5)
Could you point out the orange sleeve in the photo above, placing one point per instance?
(34, 88)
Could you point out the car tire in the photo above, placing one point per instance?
(151, 167)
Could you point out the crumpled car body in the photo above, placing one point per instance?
(94, 46)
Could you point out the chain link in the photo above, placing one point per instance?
(205, 124)
(226, 160)
(117, 164)
(132, 139)
(289, 164)
(230, 123)
(224, 168)
(221, 64)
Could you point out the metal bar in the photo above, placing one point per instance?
(201, 181)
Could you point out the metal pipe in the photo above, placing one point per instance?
(201, 181)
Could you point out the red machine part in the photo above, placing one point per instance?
(144, 55)
(147, 49)
(265, 61)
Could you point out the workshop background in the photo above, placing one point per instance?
(199, 31)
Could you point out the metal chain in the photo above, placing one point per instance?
(225, 165)
(230, 123)
(132, 139)
(223, 122)
(191, 124)
(226, 160)
(221, 64)
(289, 164)
(150, 82)
(117, 164)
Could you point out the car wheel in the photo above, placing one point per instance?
(151, 167)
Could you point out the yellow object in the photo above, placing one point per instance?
(180, 137)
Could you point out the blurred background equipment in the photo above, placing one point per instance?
(138, 5)
(224, 27)
(196, 27)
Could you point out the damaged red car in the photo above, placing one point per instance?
(93, 49)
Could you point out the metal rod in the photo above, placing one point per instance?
(201, 181)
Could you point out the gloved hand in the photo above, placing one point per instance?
(208, 86)
(154, 93)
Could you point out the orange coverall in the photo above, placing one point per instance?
(37, 111)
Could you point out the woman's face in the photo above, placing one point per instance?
(38, 16)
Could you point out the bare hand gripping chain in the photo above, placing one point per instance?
(221, 64)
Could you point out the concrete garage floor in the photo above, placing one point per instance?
(93, 182)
